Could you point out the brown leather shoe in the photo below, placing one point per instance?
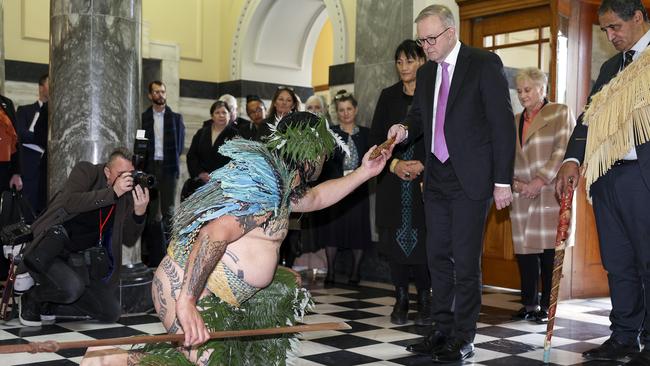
(434, 341)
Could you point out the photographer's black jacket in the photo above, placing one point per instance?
(86, 190)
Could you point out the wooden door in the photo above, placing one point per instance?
(481, 22)
(523, 33)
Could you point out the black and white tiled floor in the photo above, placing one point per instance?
(373, 340)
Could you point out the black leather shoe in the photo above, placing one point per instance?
(523, 314)
(455, 351)
(541, 317)
(611, 349)
(640, 359)
(434, 341)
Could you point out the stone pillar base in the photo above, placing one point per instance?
(135, 289)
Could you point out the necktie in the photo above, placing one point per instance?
(439, 143)
(628, 57)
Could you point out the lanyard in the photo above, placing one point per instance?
(102, 223)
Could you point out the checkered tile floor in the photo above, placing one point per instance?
(373, 340)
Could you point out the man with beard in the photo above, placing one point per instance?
(165, 131)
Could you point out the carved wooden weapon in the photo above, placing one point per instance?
(54, 346)
(562, 235)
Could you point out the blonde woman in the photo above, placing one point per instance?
(543, 130)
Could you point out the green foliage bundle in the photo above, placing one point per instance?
(282, 303)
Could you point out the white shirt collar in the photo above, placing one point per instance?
(641, 44)
(452, 57)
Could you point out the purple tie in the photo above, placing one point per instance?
(439, 143)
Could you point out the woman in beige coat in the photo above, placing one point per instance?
(543, 130)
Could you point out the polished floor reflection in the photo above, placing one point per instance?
(373, 340)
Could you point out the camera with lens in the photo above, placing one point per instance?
(140, 177)
(143, 179)
(140, 147)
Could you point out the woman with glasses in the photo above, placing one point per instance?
(399, 211)
(203, 157)
(347, 224)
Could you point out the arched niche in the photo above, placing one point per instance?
(274, 40)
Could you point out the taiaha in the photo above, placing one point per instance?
(381, 148)
(560, 245)
(54, 346)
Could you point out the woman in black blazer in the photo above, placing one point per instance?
(203, 157)
(399, 212)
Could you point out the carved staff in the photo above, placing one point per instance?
(560, 244)
(54, 346)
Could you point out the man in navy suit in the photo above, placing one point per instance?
(165, 131)
(32, 131)
(462, 106)
(620, 199)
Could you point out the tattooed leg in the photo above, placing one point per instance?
(159, 297)
(172, 274)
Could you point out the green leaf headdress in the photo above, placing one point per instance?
(303, 137)
(303, 140)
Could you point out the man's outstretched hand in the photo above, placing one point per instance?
(373, 167)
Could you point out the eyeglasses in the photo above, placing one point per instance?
(431, 41)
(343, 95)
(282, 87)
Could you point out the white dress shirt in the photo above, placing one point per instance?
(31, 129)
(158, 130)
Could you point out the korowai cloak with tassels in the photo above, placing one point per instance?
(618, 117)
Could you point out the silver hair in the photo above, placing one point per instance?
(442, 12)
(232, 101)
(318, 98)
(533, 74)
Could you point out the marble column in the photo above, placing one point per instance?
(94, 81)
(381, 26)
(2, 50)
(95, 78)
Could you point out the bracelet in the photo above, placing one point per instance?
(393, 164)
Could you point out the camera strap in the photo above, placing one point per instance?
(102, 223)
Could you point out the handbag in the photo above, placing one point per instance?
(16, 215)
(190, 186)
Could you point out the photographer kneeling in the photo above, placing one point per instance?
(76, 253)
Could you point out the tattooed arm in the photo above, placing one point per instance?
(333, 190)
(209, 247)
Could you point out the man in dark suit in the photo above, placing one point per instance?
(462, 106)
(165, 131)
(32, 132)
(620, 198)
